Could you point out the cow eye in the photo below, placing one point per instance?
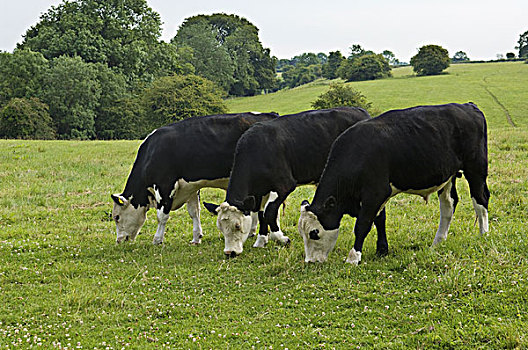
(237, 226)
(116, 218)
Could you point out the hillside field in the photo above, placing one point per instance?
(64, 283)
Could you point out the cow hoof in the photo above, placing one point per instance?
(261, 241)
(354, 258)
(382, 252)
(193, 242)
(279, 236)
(157, 241)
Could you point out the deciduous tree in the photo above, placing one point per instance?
(253, 69)
(430, 60)
(329, 69)
(366, 67)
(72, 91)
(523, 45)
(26, 118)
(121, 34)
(21, 73)
(172, 98)
(460, 56)
(339, 95)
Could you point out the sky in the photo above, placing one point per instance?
(480, 28)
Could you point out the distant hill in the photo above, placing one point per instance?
(499, 89)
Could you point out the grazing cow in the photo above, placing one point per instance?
(171, 166)
(418, 150)
(271, 160)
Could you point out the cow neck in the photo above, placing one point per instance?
(238, 189)
(136, 188)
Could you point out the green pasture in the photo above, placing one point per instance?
(499, 89)
(64, 283)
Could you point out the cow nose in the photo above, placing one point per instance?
(230, 254)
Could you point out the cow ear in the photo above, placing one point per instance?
(330, 203)
(211, 207)
(119, 199)
(249, 203)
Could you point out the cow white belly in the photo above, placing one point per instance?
(424, 193)
(183, 189)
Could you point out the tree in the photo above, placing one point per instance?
(210, 60)
(118, 114)
(71, 89)
(523, 45)
(329, 69)
(306, 59)
(21, 73)
(252, 66)
(26, 118)
(430, 60)
(367, 67)
(460, 56)
(121, 34)
(356, 51)
(322, 57)
(390, 57)
(172, 98)
(300, 75)
(341, 95)
(510, 55)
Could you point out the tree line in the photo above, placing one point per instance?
(94, 69)
(98, 69)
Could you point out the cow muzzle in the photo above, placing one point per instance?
(230, 253)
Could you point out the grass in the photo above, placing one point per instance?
(64, 283)
(489, 85)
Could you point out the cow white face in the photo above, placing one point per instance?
(235, 226)
(318, 242)
(128, 219)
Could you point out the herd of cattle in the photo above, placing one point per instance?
(357, 162)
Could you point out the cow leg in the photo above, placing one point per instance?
(262, 238)
(447, 207)
(254, 223)
(163, 217)
(382, 246)
(371, 209)
(193, 207)
(271, 216)
(480, 195)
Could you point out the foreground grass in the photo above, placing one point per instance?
(64, 283)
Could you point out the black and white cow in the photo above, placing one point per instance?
(272, 159)
(171, 166)
(418, 150)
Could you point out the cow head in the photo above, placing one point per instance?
(235, 226)
(128, 218)
(318, 242)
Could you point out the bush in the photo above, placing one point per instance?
(430, 60)
(300, 75)
(123, 119)
(339, 95)
(177, 97)
(26, 118)
(366, 67)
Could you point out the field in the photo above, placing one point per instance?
(64, 283)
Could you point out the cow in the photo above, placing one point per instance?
(419, 150)
(172, 164)
(272, 158)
